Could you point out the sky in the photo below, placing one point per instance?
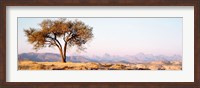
(118, 36)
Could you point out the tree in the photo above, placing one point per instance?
(52, 32)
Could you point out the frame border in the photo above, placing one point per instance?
(4, 3)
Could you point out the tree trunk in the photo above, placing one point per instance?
(63, 59)
(65, 48)
(62, 56)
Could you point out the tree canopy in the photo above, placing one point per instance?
(73, 33)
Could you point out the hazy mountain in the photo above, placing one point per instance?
(138, 58)
(50, 57)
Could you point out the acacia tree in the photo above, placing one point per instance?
(52, 32)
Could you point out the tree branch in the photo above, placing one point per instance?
(64, 38)
(56, 42)
(55, 38)
(69, 37)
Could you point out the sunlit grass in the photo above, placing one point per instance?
(30, 65)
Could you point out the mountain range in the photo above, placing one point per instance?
(138, 58)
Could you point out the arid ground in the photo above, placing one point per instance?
(30, 65)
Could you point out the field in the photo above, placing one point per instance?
(31, 65)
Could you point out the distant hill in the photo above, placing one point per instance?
(138, 58)
(39, 57)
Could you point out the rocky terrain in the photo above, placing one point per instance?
(159, 65)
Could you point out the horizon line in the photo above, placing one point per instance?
(102, 55)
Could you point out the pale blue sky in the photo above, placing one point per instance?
(119, 36)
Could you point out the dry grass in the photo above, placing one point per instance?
(30, 65)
